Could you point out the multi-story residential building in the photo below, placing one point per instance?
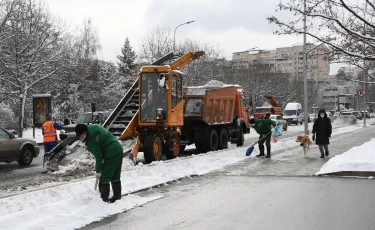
(289, 60)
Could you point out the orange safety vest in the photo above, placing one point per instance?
(49, 132)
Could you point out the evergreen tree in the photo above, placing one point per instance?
(126, 59)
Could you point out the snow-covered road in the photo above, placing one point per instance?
(63, 203)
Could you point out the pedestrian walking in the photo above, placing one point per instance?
(49, 128)
(322, 131)
(264, 128)
(108, 153)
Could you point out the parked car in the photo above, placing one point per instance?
(358, 115)
(12, 148)
(279, 121)
(84, 118)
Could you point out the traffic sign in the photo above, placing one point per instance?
(361, 93)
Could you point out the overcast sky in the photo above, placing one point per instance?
(233, 25)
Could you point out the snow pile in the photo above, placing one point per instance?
(357, 159)
(81, 163)
(213, 84)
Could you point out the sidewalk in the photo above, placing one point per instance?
(293, 163)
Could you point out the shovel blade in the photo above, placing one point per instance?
(249, 150)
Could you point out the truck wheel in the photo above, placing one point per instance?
(223, 139)
(241, 138)
(175, 152)
(153, 148)
(213, 140)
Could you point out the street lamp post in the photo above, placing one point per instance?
(305, 70)
(174, 34)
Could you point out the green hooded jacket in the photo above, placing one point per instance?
(264, 126)
(102, 144)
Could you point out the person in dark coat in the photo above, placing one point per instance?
(322, 129)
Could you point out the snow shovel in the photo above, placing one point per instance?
(251, 148)
(96, 183)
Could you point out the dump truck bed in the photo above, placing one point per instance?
(211, 105)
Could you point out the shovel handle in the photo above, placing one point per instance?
(262, 138)
(96, 183)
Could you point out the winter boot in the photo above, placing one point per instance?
(268, 152)
(104, 191)
(261, 151)
(116, 188)
(327, 154)
(322, 155)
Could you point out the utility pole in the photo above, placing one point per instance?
(305, 71)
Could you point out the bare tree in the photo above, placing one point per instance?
(31, 50)
(347, 27)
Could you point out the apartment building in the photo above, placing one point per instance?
(288, 60)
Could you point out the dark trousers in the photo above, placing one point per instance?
(111, 170)
(48, 146)
(267, 140)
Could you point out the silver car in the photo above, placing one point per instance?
(279, 121)
(22, 150)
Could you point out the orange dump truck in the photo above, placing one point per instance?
(214, 114)
(274, 108)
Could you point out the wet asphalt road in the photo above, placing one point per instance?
(12, 174)
(261, 194)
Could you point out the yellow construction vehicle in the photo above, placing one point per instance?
(158, 121)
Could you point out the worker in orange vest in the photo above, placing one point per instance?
(49, 128)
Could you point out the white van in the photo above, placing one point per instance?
(293, 113)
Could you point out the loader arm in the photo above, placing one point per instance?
(185, 60)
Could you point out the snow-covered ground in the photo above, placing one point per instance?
(358, 159)
(76, 204)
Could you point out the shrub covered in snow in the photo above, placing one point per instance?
(6, 115)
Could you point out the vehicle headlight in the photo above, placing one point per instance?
(294, 119)
(63, 131)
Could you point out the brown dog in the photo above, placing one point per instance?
(305, 142)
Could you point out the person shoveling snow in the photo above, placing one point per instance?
(108, 153)
(263, 127)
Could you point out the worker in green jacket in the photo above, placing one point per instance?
(108, 153)
(263, 127)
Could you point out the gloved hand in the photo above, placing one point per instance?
(313, 137)
(98, 175)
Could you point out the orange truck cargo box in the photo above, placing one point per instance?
(213, 106)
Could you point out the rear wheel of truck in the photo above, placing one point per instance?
(175, 152)
(213, 140)
(223, 138)
(241, 138)
(153, 148)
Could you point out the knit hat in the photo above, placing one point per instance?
(80, 128)
(48, 117)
